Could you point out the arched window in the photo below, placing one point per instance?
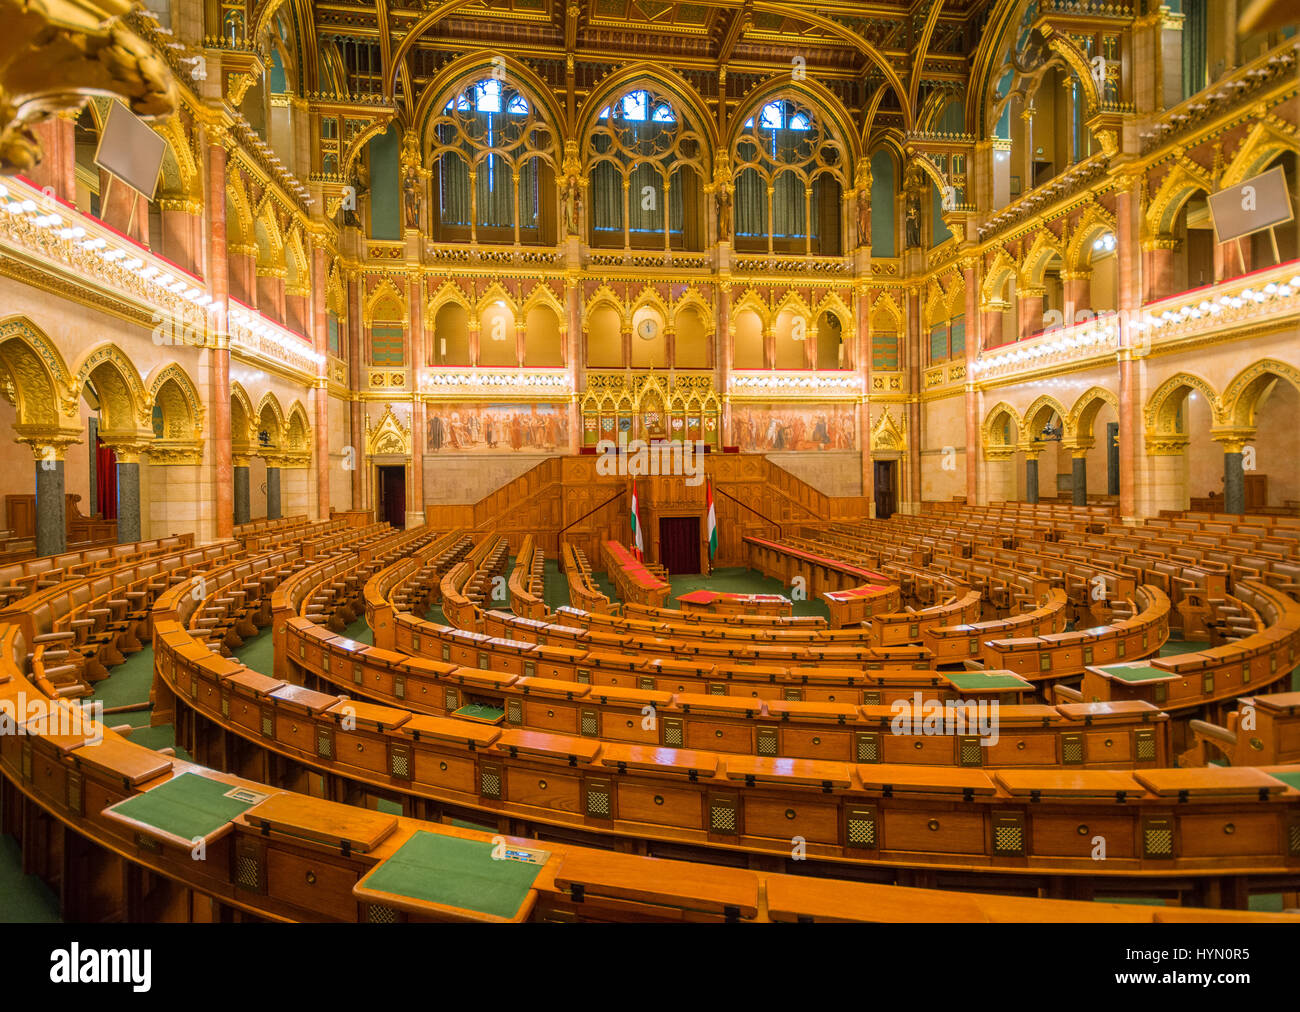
(789, 177)
(647, 168)
(492, 156)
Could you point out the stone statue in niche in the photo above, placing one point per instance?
(572, 205)
(411, 196)
(913, 215)
(723, 199)
(864, 218)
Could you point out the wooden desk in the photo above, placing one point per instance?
(120, 760)
(678, 888)
(323, 822)
(446, 877)
(186, 810)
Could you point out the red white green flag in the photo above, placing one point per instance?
(638, 544)
(712, 522)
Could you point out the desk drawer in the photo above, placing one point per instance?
(922, 749)
(441, 769)
(1037, 749)
(361, 751)
(617, 725)
(297, 731)
(1108, 746)
(934, 831)
(1074, 835)
(718, 737)
(311, 884)
(784, 819)
(805, 743)
(660, 805)
(839, 694)
(1232, 834)
(551, 715)
(542, 788)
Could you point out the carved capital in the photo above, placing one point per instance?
(60, 52)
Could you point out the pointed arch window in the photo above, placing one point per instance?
(646, 170)
(789, 182)
(492, 155)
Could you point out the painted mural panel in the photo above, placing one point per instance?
(759, 428)
(496, 428)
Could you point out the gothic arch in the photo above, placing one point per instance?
(171, 388)
(1242, 396)
(269, 418)
(1159, 417)
(124, 405)
(1078, 424)
(243, 435)
(41, 386)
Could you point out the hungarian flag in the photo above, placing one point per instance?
(712, 522)
(638, 545)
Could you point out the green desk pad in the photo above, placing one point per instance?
(187, 806)
(1142, 673)
(479, 712)
(981, 680)
(1290, 779)
(454, 872)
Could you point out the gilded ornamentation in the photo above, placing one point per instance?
(56, 53)
(388, 437)
(887, 435)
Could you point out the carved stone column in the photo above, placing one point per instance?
(1031, 453)
(1031, 311)
(321, 423)
(1233, 440)
(1158, 263)
(1078, 294)
(1128, 224)
(219, 352)
(1078, 469)
(273, 508)
(243, 509)
(970, 276)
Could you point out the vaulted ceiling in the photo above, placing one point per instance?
(897, 50)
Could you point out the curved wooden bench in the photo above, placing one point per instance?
(714, 800)
(956, 643)
(53, 783)
(1190, 680)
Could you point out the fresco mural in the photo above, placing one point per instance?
(496, 428)
(758, 429)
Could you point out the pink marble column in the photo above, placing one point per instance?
(914, 391)
(991, 328)
(181, 241)
(1078, 295)
(1158, 269)
(297, 313)
(864, 408)
(270, 296)
(321, 340)
(219, 399)
(57, 168)
(725, 345)
(123, 208)
(573, 358)
(1031, 314)
(1127, 217)
(242, 271)
(972, 395)
(356, 335)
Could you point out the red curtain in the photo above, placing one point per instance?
(105, 480)
(679, 544)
